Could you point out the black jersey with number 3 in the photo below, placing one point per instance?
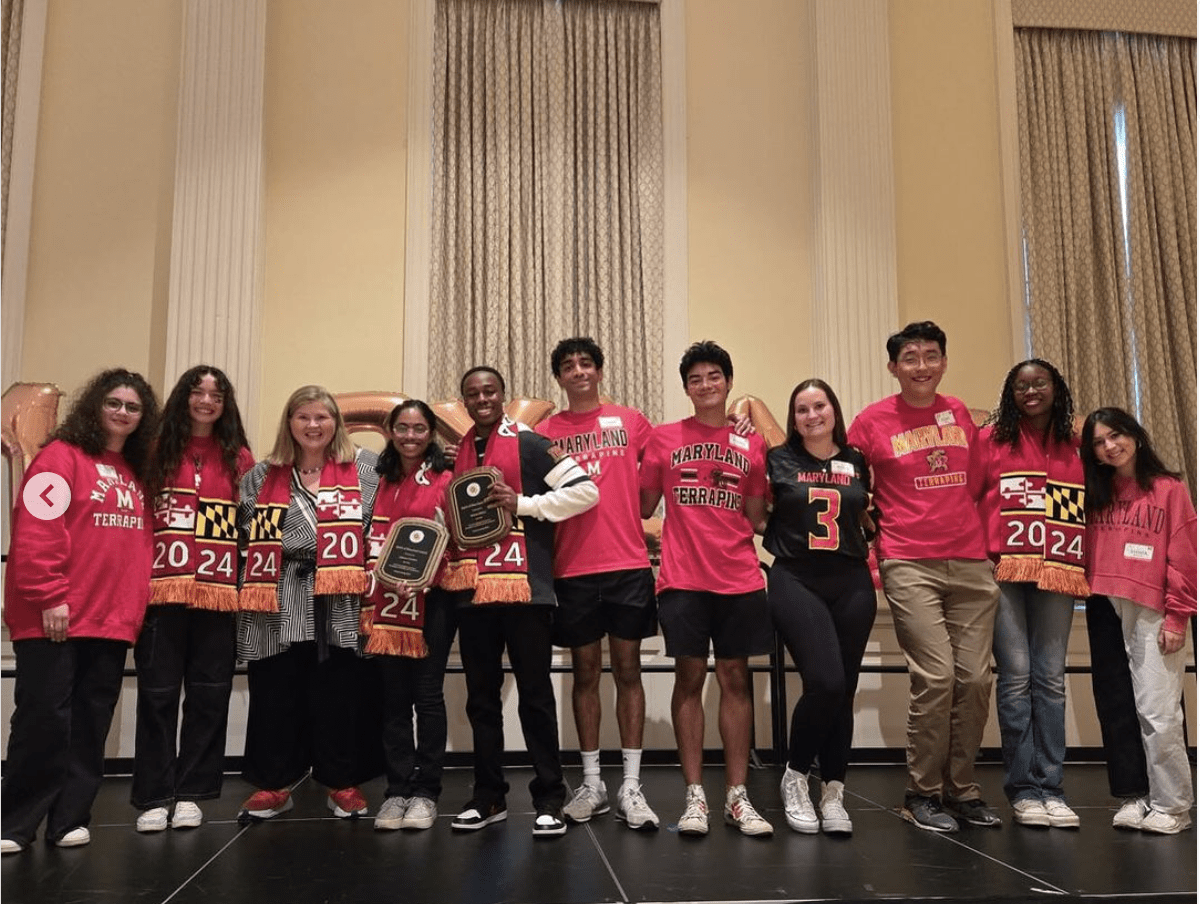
(817, 502)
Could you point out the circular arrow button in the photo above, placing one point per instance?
(46, 495)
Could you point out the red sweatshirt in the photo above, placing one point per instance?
(1143, 549)
(95, 557)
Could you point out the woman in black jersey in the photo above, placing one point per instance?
(820, 594)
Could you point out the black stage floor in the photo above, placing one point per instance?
(306, 856)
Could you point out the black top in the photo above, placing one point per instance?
(817, 503)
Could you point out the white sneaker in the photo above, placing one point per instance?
(1030, 812)
(589, 801)
(633, 810)
(1133, 811)
(187, 815)
(1061, 816)
(420, 814)
(1161, 823)
(741, 813)
(797, 805)
(152, 820)
(77, 837)
(391, 814)
(694, 820)
(834, 818)
(8, 846)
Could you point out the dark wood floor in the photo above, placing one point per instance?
(306, 856)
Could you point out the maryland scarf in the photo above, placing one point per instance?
(195, 536)
(339, 537)
(498, 573)
(395, 625)
(1041, 527)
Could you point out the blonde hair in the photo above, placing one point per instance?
(341, 449)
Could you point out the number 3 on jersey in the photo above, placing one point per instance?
(826, 517)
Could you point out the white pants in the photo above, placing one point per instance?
(1157, 686)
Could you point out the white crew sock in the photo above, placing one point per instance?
(631, 761)
(591, 767)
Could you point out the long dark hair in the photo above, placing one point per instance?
(839, 422)
(1006, 418)
(390, 467)
(1098, 477)
(84, 428)
(176, 429)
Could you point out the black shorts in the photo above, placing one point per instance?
(620, 603)
(738, 625)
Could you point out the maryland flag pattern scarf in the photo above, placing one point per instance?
(498, 573)
(395, 624)
(1041, 529)
(195, 539)
(340, 549)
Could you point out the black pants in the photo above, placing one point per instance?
(192, 649)
(824, 617)
(303, 714)
(414, 764)
(65, 695)
(1112, 690)
(484, 633)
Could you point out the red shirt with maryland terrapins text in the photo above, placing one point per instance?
(95, 557)
(705, 475)
(607, 442)
(926, 481)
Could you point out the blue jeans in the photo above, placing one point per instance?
(1030, 645)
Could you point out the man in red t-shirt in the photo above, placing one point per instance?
(936, 574)
(602, 577)
(710, 588)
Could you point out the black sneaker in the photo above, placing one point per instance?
(548, 824)
(973, 812)
(927, 813)
(476, 815)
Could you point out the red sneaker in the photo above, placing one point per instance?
(347, 803)
(267, 804)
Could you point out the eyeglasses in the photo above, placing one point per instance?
(410, 430)
(115, 405)
(1039, 385)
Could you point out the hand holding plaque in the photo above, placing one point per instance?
(411, 553)
(474, 519)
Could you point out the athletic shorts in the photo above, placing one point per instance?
(620, 603)
(738, 625)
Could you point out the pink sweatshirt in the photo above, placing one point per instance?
(1143, 549)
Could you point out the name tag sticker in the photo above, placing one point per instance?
(944, 418)
(841, 467)
(609, 421)
(1139, 551)
(740, 441)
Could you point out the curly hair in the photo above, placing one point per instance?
(84, 426)
(1098, 476)
(1006, 418)
(576, 345)
(175, 430)
(389, 466)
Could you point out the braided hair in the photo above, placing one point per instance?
(1006, 418)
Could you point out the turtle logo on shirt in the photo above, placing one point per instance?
(937, 461)
(721, 480)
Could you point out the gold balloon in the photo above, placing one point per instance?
(528, 411)
(760, 416)
(368, 410)
(28, 412)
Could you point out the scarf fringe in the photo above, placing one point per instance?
(174, 590)
(214, 598)
(460, 574)
(1068, 581)
(258, 599)
(501, 588)
(340, 580)
(366, 619)
(389, 640)
(1019, 569)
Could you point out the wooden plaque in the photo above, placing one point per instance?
(473, 521)
(411, 553)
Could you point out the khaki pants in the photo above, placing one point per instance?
(944, 611)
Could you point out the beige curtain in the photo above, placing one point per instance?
(1108, 182)
(10, 47)
(548, 218)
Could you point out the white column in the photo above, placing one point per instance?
(213, 314)
(855, 301)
